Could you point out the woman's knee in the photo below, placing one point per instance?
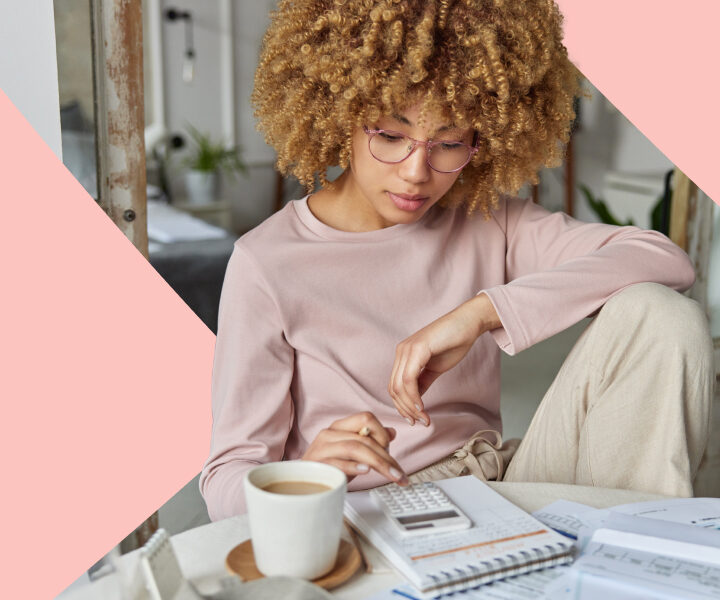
(663, 313)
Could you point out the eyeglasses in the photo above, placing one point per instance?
(443, 156)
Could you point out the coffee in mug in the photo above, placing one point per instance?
(295, 515)
(296, 487)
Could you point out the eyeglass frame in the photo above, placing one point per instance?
(429, 144)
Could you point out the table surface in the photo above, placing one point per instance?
(202, 551)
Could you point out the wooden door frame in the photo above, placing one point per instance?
(691, 228)
(117, 42)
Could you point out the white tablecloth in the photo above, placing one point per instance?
(202, 551)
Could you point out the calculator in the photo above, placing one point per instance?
(419, 509)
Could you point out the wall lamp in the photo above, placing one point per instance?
(173, 14)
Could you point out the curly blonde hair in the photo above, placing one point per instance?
(497, 66)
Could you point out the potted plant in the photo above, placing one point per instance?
(204, 163)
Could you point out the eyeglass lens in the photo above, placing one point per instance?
(395, 147)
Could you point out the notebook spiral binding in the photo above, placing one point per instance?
(509, 565)
(160, 566)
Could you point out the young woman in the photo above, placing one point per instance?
(362, 325)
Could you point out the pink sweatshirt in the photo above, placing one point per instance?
(310, 317)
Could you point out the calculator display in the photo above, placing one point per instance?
(409, 519)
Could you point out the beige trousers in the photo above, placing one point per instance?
(629, 408)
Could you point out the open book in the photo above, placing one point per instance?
(503, 541)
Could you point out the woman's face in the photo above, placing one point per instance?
(402, 192)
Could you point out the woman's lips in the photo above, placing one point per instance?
(408, 202)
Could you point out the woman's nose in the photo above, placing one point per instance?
(415, 167)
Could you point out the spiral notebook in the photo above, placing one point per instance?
(503, 541)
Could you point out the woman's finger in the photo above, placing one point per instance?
(361, 452)
(335, 443)
(351, 468)
(393, 372)
(391, 386)
(331, 445)
(406, 386)
(335, 436)
(400, 400)
(365, 424)
(416, 361)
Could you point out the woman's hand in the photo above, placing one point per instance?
(342, 446)
(435, 349)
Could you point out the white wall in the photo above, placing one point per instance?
(28, 68)
(197, 103)
(605, 141)
(204, 103)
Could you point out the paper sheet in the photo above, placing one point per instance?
(700, 512)
(564, 516)
(660, 549)
(167, 224)
(680, 578)
(531, 586)
(576, 585)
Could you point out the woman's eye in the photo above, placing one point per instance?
(390, 137)
(450, 145)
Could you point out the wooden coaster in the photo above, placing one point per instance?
(241, 561)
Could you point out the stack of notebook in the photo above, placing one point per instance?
(503, 541)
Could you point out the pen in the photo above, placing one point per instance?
(565, 533)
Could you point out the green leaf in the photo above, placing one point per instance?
(656, 215)
(601, 209)
(208, 155)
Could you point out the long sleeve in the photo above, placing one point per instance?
(252, 371)
(559, 270)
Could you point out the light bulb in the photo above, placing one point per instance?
(188, 72)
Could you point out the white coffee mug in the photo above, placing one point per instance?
(297, 535)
